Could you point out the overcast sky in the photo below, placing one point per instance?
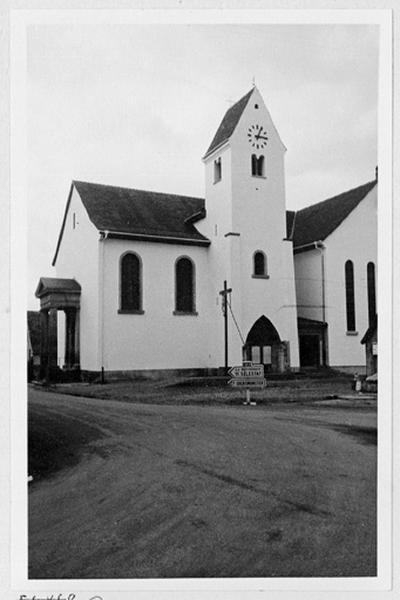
(137, 106)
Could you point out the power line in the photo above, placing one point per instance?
(234, 320)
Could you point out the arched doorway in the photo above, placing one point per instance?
(263, 345)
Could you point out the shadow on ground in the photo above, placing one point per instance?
(365, 435)
(53, 445)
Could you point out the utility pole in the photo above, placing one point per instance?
(224, 293)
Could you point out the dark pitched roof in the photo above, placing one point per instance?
(316, 222)
(229, 122)
(137, 211)
(56, 284)
(146, 215)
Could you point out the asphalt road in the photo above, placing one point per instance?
(139, 491)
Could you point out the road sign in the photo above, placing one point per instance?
(247, 371)
(247, 382)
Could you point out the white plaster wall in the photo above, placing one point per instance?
(158, 339)
(218, 196)
(307, 266)
(356, 240)
(78, 259)
(258, 202)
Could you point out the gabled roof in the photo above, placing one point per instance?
(138, 211)
(48, 285)
(140, 214)
(316, 222)
(229, 122)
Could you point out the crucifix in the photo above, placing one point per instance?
(224, 293)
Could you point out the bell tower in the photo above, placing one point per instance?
(246, 222)
(244, 169)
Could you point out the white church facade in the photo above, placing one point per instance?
(140, 274)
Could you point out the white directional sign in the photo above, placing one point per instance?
(247, 382)
(247, 371)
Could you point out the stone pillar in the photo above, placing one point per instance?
(71, 338)
(68, 338)
(52, 342)
(77, 361)
(44, 344)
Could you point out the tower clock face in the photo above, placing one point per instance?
(257, 136)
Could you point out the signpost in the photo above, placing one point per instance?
(247, 376)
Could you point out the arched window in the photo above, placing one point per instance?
(217, 170)
(130, 283)
(184, 286)
(371, 292)
(257, 166)
(260, 264)
(350, 307)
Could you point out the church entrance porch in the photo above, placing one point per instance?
(312, 343)
(263, 345)
(59, 294)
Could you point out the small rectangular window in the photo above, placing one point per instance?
(255, 354)
(217, 170)
(267, 358)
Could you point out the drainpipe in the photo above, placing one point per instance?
(103, 237)
(320, 246)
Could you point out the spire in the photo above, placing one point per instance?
(229, 122)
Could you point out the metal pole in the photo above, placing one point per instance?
(226, 324)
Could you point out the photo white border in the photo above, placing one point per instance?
(20, 20)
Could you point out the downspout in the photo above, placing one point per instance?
(320, 246)
(103, 237)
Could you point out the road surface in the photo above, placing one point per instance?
(139, 491)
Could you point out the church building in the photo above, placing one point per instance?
(140, 273)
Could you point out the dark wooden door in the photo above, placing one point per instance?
(309, 350)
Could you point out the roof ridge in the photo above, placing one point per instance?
(120, 187)
(229, 121)
(317, 221)
(358, 187)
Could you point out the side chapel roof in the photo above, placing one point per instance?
(317, 221)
